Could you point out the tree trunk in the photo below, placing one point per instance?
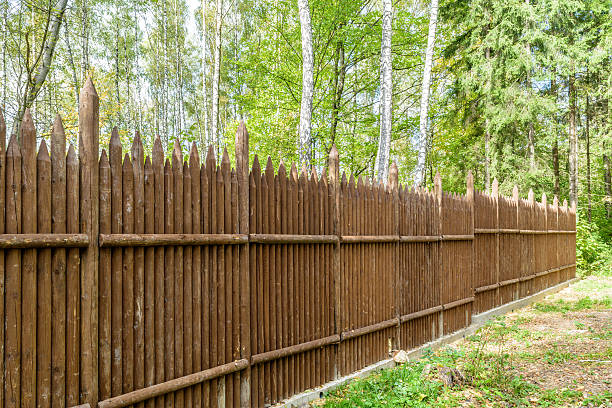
(339, 74)
(75, 77)
(204, 72)
(555, 157)
(487, 157)
(307, 82)
(588, 158)
(487, 131)
(34, 85)
(555, 149)
(217, 74)
(4, 47)
(422, 143)
(531, 145)
(84, 41)
(530, 128)
(117, 74)
(607, 183)
(573, 142)
(386, 93)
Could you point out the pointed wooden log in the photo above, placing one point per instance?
(116, 226)
(73, 293)
(43, 319)
(177, 180)
(28, 262)
(2, 253)
(12, 340)
(159, 224)
(105, 307)
(242, 171)
(88, 157)
(137, 153)
(149, 280)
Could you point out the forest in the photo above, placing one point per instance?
(516, 90)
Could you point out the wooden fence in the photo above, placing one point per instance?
(133, 281)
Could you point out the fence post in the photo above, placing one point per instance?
(556, 238)
(242, 170)
(545, 278)
(566, 240)
(469, 195)
(334, 173)
(532, 225)
(88, 160)
(438, 194)
(495, 194)
(515, 199)
(393, 188)
(2, 273)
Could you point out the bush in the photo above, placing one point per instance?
(593, 252)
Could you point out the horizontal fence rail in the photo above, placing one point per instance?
(157, 281)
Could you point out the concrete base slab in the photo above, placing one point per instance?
(303, 399)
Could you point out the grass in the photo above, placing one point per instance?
(553, 354)
(562, 306)
(403, 386)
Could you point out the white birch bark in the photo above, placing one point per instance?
(48, 48)
(422, 142)
(216, 74)
(204, 72)
(386, 93)
(307, 82)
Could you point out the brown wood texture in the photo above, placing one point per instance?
(43, 290)
(58, 265)
(105, 280)
(89, 169)
(2, 252)
(138, 282)
(73, 310)
(28, 262)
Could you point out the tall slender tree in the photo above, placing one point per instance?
(573, 141)
(204, 73)
(386, 94)
(216, 75)
(305, 137)
(424, 111)
(37, 73)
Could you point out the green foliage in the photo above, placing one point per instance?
(593, 250)
(500, 84)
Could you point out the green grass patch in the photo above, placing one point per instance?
(601, 400)
(562, 306)
(590, 285)
(403, 386)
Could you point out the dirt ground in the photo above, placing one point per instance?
(576, 345)
(565, 341)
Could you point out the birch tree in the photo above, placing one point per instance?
(307, 82)
(422, 142)
(204, 71)
(216, 73)
(386, 93)
(42, 61)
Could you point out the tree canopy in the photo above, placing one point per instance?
(519, 88)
